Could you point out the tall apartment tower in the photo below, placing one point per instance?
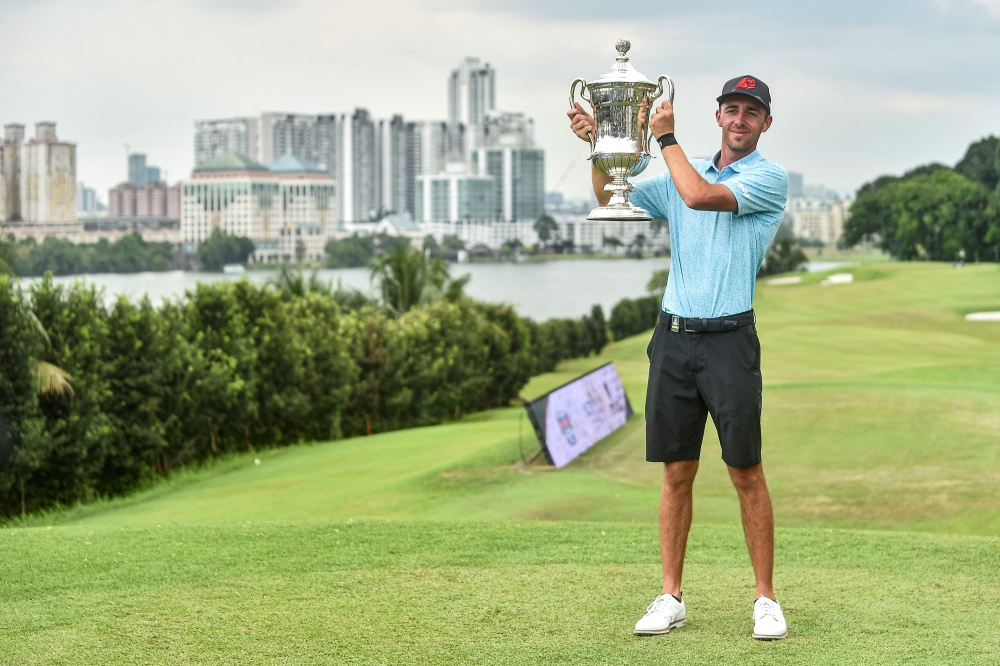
(399, 167)
(471, 92)
(287, 134)
(506, 150)
(46, 175)
(10, 173)
(215, 138)
(136, 168)
(357, 170)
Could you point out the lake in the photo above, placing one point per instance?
(540, 290)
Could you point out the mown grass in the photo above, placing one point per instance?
(881, 411)
(325, 592)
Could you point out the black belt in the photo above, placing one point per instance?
(715, 324)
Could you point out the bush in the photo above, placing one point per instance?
(634, 316)
(234, 366)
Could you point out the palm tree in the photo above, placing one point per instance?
(295, 285)
(49, 378)
(405, 278)
(611, 241)
(638, 243)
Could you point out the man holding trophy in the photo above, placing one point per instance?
(704, 356)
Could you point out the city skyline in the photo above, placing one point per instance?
(899, 83)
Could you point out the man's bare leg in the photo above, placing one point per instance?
(675, 520)
(758, 524)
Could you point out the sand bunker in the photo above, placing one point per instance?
(838, 278)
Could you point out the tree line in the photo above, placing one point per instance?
(934, 212)
(97, 399)
(128, 254)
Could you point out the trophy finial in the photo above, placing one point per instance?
(623, 46)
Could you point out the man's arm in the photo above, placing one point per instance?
(583, 125)
(698, 193)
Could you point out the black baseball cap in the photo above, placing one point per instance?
(747, 85)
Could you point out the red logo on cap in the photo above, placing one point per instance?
(746, 82)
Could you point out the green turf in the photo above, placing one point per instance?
(480, 593)
(881, 412)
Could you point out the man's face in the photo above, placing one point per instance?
(742, 119)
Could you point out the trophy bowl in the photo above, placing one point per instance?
(622, 100)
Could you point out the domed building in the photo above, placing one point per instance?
(288, 208)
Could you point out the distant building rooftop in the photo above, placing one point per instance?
(292, 164)
(228, 163)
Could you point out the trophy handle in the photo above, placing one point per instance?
(572, 103)
(659, 89)
(650, 139)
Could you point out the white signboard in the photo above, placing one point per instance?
(581, 413)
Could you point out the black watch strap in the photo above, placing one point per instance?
(666, 140)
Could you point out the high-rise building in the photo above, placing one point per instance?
(136, 168)
(398, 152)
(439, 144)
(454, 197)
(216, 138)
(519, 180)
(150, 174)
(152, 200)
(139, 172)
(357, 162)
(10, 173)
(328, 129)
(47, 177)
(471, 92)
(287, 134)
(795, 185)
(86, 199)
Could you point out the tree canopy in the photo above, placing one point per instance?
(982, 162)
(221, 249)
(933, 216)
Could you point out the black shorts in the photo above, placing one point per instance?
(692, 375)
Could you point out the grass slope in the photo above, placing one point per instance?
(480, 593)
(881, 410)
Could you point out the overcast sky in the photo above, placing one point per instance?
(859, 88)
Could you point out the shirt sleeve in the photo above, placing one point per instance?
(759, 190)
(653, 195)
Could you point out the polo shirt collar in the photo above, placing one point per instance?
(736, 166)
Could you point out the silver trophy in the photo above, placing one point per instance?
(622, 101)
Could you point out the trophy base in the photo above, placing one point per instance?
(626, 213)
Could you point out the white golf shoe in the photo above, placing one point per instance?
(768, 620)
(664, 614)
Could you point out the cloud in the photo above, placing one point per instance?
(859, 88)
(991, 6)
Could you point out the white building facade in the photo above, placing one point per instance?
(288, 210)
(471, 92)
(818, 219)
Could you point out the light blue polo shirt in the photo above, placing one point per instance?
(715, 256)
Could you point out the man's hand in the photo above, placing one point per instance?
(662, 121)
(581, 122)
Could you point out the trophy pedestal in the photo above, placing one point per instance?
(619, 208)
(626, 213)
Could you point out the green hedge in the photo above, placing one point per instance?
(233, 367)
(634, 316)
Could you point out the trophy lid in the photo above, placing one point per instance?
(622, 71)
